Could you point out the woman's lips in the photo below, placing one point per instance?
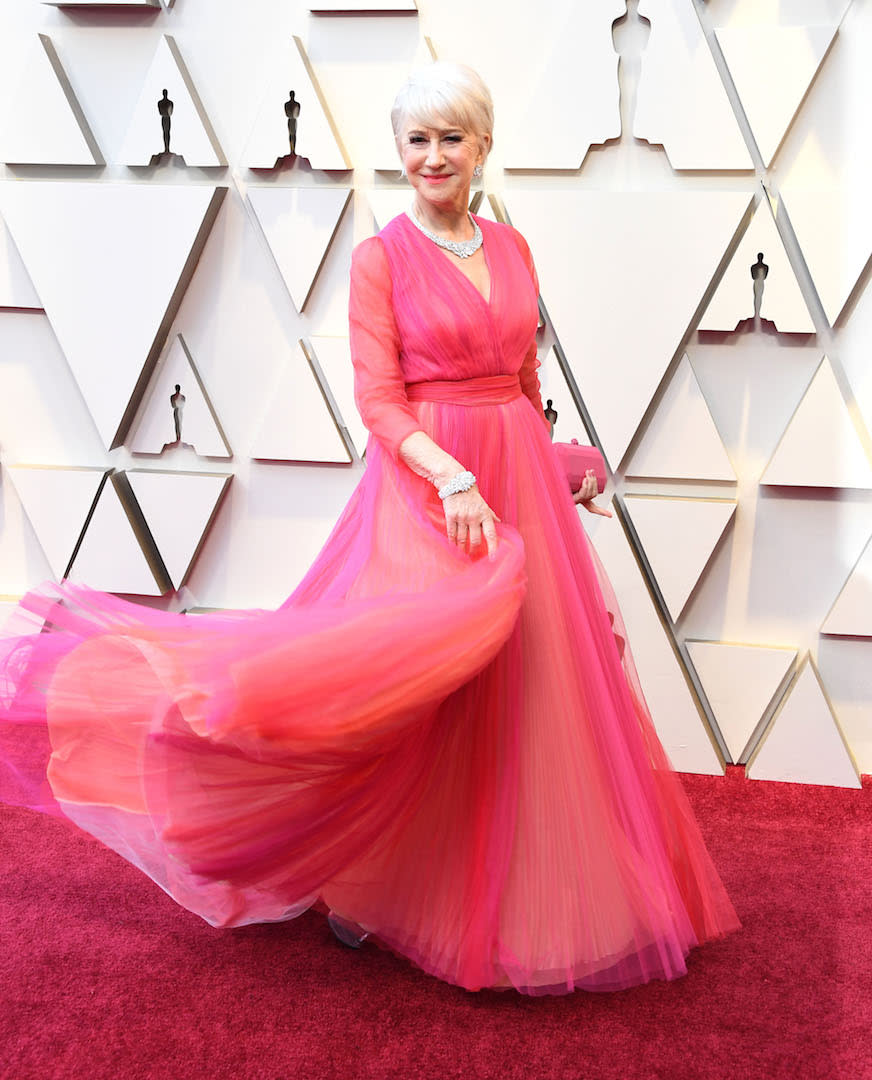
(435, 179)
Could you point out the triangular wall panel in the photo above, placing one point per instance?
(315, 136)
(773, 12)
(681, 440)
(104, 3)
(573, 97)
(679, 536)
(681, 100)
(825, 162)
(154, 427)
(20, 561)
(833, 225)
(351, 7)
(781, 300)
(386, 203)
(554, 387)
(376, 86)
(772, 67)
(16, 288)
(333, 357)
(178, 508)
(57, 501)
(820, 447)
(298, 424)
(110, 263)
(43, 122)
(299, 225)
(627, 242)
(190, 132)
(739, 682)
(851, 614)
(112, 557)
(483, 207)
(673, 706)
(804, 744)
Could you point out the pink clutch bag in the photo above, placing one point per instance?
(576, 460)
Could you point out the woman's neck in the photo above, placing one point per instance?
(452, 222)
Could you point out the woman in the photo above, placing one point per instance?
(440, 735)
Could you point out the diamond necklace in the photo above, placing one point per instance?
(462, 248)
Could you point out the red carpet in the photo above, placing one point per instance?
(102, 976)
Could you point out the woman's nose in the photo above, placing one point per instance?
(434, 153)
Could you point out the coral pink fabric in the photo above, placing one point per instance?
(453, 752)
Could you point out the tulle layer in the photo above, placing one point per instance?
(453, 752)
(554, 846)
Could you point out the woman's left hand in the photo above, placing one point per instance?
(588, 492)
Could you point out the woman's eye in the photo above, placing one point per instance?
(416, 139)
(454, 138)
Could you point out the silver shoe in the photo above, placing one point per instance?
(347, 932)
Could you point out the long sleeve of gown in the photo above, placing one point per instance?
(379, 385)
(529, 367)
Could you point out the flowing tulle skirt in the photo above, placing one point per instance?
(452, 752)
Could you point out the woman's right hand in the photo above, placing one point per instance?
(468, 519)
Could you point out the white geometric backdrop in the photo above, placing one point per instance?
(650, 150)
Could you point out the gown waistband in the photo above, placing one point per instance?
(485, 390)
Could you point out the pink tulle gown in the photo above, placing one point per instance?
(452, 752)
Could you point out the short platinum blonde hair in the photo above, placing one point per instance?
(442, 92)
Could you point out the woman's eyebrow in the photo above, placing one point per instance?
(439, 131)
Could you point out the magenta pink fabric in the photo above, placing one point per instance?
(452, 751)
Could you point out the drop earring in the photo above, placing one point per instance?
(476, 172)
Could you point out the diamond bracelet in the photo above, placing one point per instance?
(463, 481)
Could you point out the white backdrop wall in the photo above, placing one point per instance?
(648, 152)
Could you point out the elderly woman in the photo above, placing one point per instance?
(440, 736)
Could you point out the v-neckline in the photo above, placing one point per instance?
(486, 300)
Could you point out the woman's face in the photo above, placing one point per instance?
(439, 162)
